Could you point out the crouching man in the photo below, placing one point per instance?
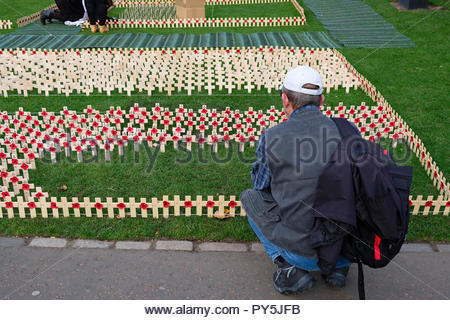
(290, 158)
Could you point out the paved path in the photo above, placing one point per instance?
(59, 269)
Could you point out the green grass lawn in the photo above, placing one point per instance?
(258, 10)
(26, 7)
(421, 182)
(13, 10)
(154, 175)
(282, 9)
(174, 172)
(413, 80)
(431, 228)
(219, 100)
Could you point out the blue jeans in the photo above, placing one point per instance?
(301, 262)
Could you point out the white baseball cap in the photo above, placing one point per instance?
(298, 77)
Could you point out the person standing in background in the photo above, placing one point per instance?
(72, 11)
(96, 10)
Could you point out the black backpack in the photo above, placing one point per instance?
(382, 202)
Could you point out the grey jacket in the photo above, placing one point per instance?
(297, 151)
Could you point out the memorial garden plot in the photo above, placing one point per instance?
(161, 70)
(161, 14)
(26, 137)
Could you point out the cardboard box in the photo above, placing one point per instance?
(184, 13)
(190, 3)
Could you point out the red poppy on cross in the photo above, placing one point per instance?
(188, 204)
(143, 206)
(75, 205)
(98, 206)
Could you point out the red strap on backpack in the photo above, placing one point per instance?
(376, 248)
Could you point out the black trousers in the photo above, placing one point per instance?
(96, 11)
(68, 10)
(56, 14)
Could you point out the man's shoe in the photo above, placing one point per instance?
(337, 278)
(42, 18)
(290, 279)
(45, 15)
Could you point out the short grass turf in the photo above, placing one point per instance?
(412, 80)
(219, 100)
(13, 10)
(431, 228)
(281, 9)
(151, 173)
(26, 7)
(242, 101)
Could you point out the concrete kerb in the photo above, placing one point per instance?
(48, 242)
(443, 247)
(90, 244)
(12, 242)
(176, 245)
(133, 245)
(257, 247)
(416, 247)
(222, 246)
